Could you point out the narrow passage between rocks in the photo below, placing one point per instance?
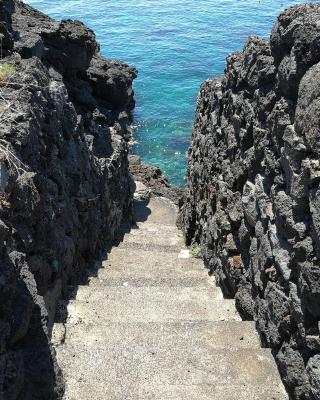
(153, 325)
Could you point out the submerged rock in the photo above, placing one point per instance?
(253, 187)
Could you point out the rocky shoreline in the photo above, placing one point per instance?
(65, 183)
(252, 197)
(153, 179)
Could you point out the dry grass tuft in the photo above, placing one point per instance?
(7, 71)
(195, 250)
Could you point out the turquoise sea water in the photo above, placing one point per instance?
(175, 44)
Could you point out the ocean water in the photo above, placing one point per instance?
(175, 45)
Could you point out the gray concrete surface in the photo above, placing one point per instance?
(153, 325)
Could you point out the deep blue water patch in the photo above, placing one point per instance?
(175, 44)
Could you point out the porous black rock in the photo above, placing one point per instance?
(252, 195)
(65, 185)
(111, 81)
(152, 177)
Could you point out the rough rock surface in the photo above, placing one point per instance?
(65, 184)
(152, 177)
(252, 197)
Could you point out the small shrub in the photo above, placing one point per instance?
(7, 71)
(195, 250)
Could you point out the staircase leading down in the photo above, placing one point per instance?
(152, 325)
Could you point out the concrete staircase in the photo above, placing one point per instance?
(153, 325)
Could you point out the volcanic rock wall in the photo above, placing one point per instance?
(64, 180)
(253, 196)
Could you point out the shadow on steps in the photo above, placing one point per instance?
(141, 213)
(28, 366)
(42, 376)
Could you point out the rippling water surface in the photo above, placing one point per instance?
(175, 44)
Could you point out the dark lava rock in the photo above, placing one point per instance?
(252, 196)
(65, 185)
(153, 179)
(314, 372)
(111, 81)
(70, 47)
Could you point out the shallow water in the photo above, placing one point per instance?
(175, 44)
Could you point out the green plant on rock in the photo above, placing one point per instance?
(7, 71)
(195, 250)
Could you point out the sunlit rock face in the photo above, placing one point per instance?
(252, 196)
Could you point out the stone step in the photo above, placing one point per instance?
(157, 234)
(158, 211)
(192, 279)
(119, 268)
(159, 238)
(129, 372)
(151, 304)
(158, 294)
(150, 227)
(210, 392)
(137, 270)
(201, 296)
(151, 245)
(84, 390)
(147, 260)
(183, 336)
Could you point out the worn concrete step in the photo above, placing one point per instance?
(151, 245)
(151, 305)
(150, 227)
(158, 211)
(156, 272)
(157, 234)
(153, 238)
(119, 268)
(77, 389)
(175, 279)
(209, 392)
(158, 294)
(167, 367)
(183, 336)
(197, 293)
(151, 259)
